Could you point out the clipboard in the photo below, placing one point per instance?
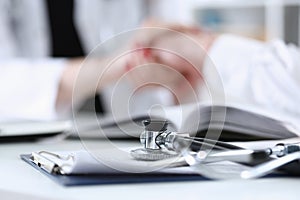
(108, 178)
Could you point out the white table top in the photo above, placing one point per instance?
(18, 180)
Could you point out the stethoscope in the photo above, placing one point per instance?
(159, 143)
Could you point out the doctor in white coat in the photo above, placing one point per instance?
(34, 85)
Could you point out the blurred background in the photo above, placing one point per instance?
(261, 19)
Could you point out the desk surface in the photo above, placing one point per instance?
(18, 179)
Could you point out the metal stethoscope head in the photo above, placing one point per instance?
(160, 143)
(156, 140)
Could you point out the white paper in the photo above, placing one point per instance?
(111, 161)
(24, 128)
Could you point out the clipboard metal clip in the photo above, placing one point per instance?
(49, 165)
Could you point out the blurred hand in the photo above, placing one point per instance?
(171, 55)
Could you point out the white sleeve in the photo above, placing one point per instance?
(29, 88)
(258, 73)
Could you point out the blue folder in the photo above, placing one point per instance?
(97, 179)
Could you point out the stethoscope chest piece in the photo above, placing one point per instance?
(152, 139)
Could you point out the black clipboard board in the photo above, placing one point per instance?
(102, 179)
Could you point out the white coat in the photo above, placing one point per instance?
(28, 76)
(260, 74)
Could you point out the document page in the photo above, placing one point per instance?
(111, 161)
(24, 128)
